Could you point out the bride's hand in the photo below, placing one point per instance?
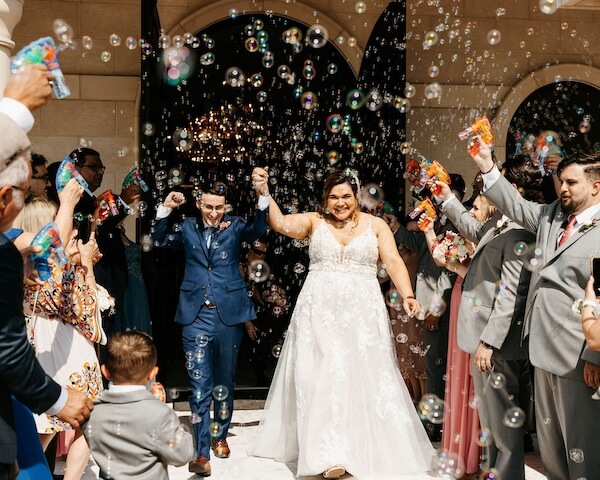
(411, 306)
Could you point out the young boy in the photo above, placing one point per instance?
(132, 434)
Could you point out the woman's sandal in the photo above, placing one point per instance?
(334, 472)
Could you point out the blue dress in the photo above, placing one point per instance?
(136, 308)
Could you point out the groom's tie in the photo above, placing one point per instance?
(208, 234)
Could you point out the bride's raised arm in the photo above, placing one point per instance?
(295, 225)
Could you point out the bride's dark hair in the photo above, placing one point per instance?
(338, 177)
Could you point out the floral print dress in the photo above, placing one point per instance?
(63, 323)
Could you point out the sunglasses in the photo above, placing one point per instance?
(40, 177)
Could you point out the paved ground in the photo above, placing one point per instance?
(242, 467)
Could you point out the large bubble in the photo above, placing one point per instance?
(317, 36)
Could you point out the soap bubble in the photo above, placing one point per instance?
(258, 271)
(87, 42)
(317, 36)
(355, 99)
(131, 43)
(235, 77)
(114, 40)
(549, 6)
(494, 36)
(334, 123)
(63, 31)
(433, 71)
(220, 392)
(309, 100)
(409, 91)
(431, 38)
(251, 44)
(360, 7)
(105, 56)
(514, 417)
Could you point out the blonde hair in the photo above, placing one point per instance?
(35, 215)
(487, 209)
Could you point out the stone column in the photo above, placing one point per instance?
(10, 15)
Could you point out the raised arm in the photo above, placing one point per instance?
(68, 197)
(297, 225)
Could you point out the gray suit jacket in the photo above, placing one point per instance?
(434, 284)
(492, 306)
(556, 341)
(134, 436)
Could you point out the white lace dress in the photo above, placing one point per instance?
(337, 396)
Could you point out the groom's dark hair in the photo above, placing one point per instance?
(216, 188)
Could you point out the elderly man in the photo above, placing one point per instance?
(20, 373)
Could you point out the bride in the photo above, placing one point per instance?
(337, 403)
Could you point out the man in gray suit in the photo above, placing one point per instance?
(490, 319)
(566, 372)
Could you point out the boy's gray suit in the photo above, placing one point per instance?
(133, 435)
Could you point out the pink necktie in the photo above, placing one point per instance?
(568, 230)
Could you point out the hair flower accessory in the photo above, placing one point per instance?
(223, 225)
(588, 225)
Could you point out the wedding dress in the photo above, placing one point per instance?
(337, 396)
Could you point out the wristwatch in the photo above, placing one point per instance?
(487, 346)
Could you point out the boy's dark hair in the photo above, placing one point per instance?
(457, 182)
(130, 356)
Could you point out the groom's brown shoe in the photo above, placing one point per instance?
(200, 466)
(220, 448)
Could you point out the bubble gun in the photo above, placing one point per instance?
(481, 127)
(434, 171)
(545, 147)
(135, 177)
(424, 206)
(66, 171)
(49, 239)
(108, 202)
(43, 50)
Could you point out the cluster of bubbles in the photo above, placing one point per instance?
(64, 33)
(431, 408)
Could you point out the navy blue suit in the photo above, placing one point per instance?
(212, 336)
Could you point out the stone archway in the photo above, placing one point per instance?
(217, 11)
(514, 98)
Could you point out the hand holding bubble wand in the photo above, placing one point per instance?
(108, 202)
(48, 239)
(134, 177)
(66, 171)
(481, 127)
(433, 172)
(424, 207)
(43, 50)
(546, 147)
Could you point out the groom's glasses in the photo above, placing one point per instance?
(210, 208)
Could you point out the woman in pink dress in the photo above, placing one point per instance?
(461, 421)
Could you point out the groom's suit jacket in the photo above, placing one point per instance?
(492, 306)
(212, 273)
(556, 341)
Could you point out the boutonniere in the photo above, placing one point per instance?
(588, 225)
(223, 225)
(500, 226)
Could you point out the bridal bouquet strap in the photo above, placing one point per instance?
(451, 247)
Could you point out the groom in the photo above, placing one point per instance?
(213, 306)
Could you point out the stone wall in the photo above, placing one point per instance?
(476, 77)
